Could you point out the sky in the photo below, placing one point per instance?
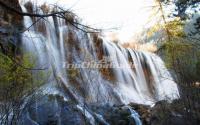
(128, 16)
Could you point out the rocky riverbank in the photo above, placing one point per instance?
(54, 109)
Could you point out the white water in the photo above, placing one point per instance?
(145, 83)
(134, 115)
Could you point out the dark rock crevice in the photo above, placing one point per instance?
(10, 26)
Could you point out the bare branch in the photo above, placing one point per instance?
(59, 14)
(31, 14)
(32, 24)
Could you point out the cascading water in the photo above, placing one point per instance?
(55, 44)
(147, 81)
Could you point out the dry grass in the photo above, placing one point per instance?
(142, 47)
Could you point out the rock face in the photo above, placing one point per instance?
(114, 115)
(10, 27)
(10, 16)
(52, 110)
(165, 113)
(55, 110)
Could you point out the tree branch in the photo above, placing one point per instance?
(59, 14)
(31, 14)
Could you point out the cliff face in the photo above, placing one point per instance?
(10, 26)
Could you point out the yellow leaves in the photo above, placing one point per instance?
(175, 28)
(154, 29)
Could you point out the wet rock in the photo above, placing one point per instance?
(114, 115)
(52, 110)
(165, 113)
(143, 110)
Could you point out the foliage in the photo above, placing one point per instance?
(183, 58)
(182, 6)
(179, 51)
(176, 28)
(185, 10)
(15, 80)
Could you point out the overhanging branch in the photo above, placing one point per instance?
(59, 14)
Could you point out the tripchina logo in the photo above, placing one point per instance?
(105, 62)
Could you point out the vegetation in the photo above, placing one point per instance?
(179, 49)
(16, 84)
(13, 76)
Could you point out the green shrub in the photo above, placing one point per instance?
(182, 57)
(17, 78)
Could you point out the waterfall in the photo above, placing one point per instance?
(135, 116)
(135, 76)
(147, 81)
